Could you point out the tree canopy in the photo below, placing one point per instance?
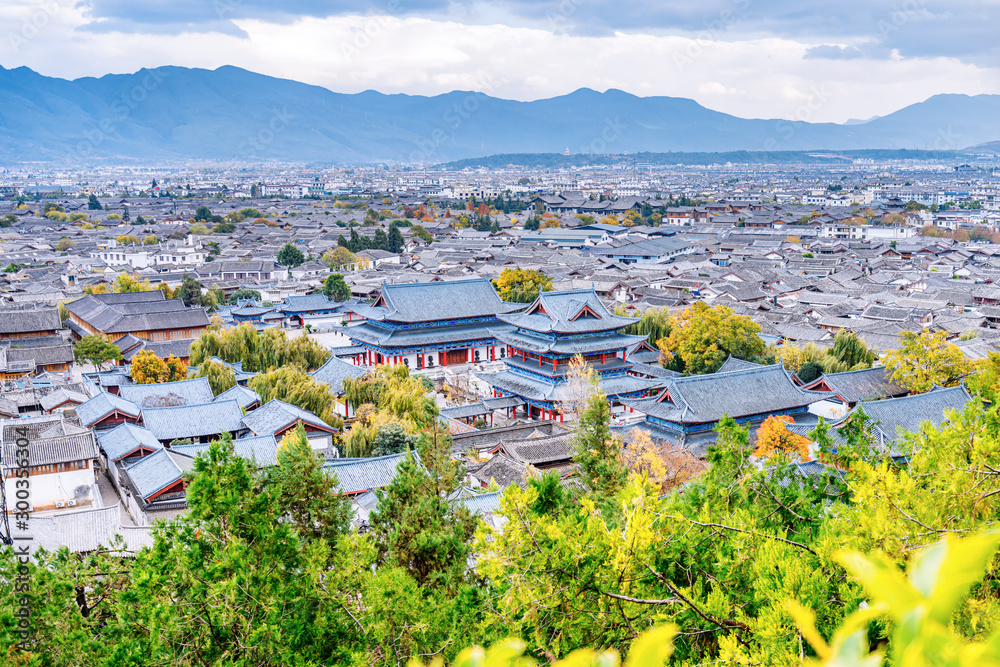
(702, 337)
(522, 285)
(97, 350)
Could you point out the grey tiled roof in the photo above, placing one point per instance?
(864, 385)
(102, 405)
(564, 312)
(483, 503)
(274, 416)
(168, 394)
(335, 371)
(904, 414)
(87, 530)
(122, 315)
(61, 396)
(124, 439)
(153, 473)
(48, 451)
(193, 421)
(22, 321)
(420, 302)
(735, 364)
(706, 398)
(504, 470)
(355, 475)
(242, 395)
(261, 449)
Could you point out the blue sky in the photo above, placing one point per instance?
(805, 59)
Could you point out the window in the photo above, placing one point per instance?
(477, 356)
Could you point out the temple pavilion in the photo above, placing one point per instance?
(425, 325)
(693, 405)
(541, 341)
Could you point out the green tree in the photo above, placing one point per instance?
(597, 451)
(189, 291)
(292, 385)
(230, 581)
(93, 204)
(421, 233)
(335, 288)
(311, 497)
(259, 351)
(290, 256)
(340, 258)
(220, 376)
(416, 526)
(393, 439)
(394, 241)
(850, 351)
(203, 214)
(95, 349)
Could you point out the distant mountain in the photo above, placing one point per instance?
(231, 113)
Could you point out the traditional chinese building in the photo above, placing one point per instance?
(145, 315)
(695, 404)
(423, 325)
(541, 341)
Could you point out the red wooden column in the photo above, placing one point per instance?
(444, 358)
(553, 365)
(602, 358)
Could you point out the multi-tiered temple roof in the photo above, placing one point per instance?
(558, 326)
(430, 317)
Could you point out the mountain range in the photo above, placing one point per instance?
(230, 114)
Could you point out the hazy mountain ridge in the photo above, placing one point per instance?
(231, 113)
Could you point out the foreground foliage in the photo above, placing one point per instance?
(263, 570)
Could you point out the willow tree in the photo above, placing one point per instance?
(220, 376)
(292, 385)
(385, 396)
(259, 351)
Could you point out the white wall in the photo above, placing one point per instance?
(47, 489)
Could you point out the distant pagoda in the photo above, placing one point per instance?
(545, 337)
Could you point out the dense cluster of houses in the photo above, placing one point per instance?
(802, 274)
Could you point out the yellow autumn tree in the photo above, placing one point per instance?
(702, 337)
(666, 466)
(147, 368)
(926, 359)
(773, 437)
(522, 285)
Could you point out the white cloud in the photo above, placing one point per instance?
(766, 77)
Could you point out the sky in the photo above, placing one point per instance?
(791, 59)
